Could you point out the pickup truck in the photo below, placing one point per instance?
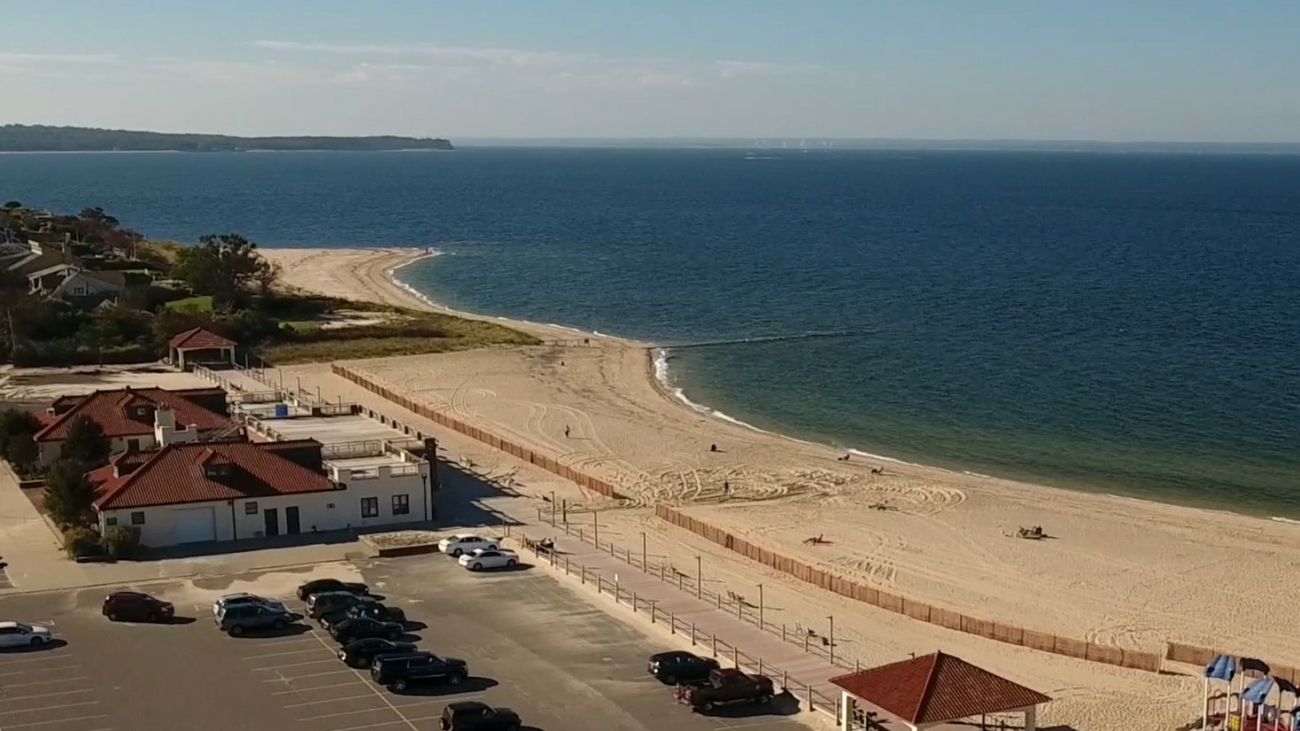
(725, 687)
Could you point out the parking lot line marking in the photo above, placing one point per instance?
(39, 670)
(459, 697)
(370, 725)
(6, 663)
(10, 726)
(281, 654)
(344, 713)
(308, 690)
(281, 641)
(330, 700)
(292, 665)
(43, 709)
(44, 682)
(303, 677)
(378, 695)
(42, 695)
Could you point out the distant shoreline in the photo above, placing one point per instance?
(38, 138)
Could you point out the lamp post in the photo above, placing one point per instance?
(644, 566)
(424, 493)
(595, 527)
(699, 576)
(552, 507)
(832, 619)
(760, 607)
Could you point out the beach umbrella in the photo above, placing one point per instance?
(1256, 693)
(1220, 667)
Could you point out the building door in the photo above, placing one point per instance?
(272, 517)
(291, 525)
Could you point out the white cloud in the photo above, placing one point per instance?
(553, 70)
(732, 69)
(39, 59)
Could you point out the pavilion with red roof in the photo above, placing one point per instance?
(198, 345)
(932, 690)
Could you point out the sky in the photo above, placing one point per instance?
(1113, 70)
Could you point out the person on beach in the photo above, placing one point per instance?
(726, 488)
(713, 447)
(566, 431)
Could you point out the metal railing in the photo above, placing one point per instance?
(807, 695)
(823, 646)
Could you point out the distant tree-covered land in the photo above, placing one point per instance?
(41, 138)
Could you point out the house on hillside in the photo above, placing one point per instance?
(139, 419)
(235, 490)
(36, 261)
(200, 346)
(85, 284)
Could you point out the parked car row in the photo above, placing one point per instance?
(370, 635)
(477, 553)
(702, 684)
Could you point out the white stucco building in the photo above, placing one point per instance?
(233, 490)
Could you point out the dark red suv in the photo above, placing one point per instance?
(133, 606)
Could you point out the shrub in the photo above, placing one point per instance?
(120, 541)
(79, 540)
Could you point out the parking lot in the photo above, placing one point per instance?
(532, 644)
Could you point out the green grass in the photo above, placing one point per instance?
(201, 303)
(411, 334)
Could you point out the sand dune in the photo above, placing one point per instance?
(1122, 572)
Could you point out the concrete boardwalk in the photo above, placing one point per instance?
(616, 573)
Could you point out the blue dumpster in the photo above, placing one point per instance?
(282, 411)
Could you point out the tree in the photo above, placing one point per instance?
(17, 438)
(224, 267)
(69, 496)
(86, 446)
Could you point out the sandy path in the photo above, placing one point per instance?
(1117, 571)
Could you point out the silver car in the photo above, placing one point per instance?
(242, 598)
(17, 634)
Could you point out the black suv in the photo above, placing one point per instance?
(475, 716)
(362, 653)
(370, 609)
(681, 667)
(361, 628)
(398, 672)
(241, 618)
(320, 586)
(334, 601)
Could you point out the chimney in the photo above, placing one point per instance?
(165, 418)
(123, 466)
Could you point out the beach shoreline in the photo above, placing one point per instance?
(1116, 571)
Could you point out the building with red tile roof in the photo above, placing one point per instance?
(935, 689)
(132, 417)
(198, 345)
(234, 490)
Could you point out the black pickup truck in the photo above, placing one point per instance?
(725, 687)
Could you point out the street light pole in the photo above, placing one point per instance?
(644, 566)
(699, 576)
(595, 525)
(832, 619)
(760, 607)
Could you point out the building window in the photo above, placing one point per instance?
(401, 505)
(250, 508)
(110, 520)
(133, 445)
(370, 507)
(137, 518)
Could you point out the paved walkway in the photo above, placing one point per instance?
(783, 661)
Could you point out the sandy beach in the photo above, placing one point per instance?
(1114, 571)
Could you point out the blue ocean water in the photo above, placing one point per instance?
(1122, 323)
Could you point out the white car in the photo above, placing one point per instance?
(17, 634)
(232, 600)
(466, 543)
(489, 558)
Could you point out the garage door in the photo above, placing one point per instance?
(196, 524)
